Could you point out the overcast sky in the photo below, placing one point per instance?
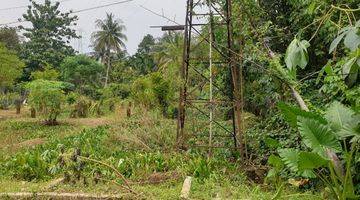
(136, 19)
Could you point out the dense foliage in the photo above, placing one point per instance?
(10, 66)
(83, 72)
(47, 97)
(10, 38)
(49, 37)
(299, 68)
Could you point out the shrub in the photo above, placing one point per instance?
(80, 105)
(162, 91)
(114, 90)
(47, 74)
(28, 166)
(331, 141)
(11, 66)
(153, 90)
(47, 97)
(8, 99)
(84, 72)
(142, 93)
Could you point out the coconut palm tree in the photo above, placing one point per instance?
(168, 52)
(109, 39)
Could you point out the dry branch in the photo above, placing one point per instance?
(55, 195)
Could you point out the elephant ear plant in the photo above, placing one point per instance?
(331, 142)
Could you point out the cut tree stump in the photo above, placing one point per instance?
(185, 191)
(33, 113)
(128, 110)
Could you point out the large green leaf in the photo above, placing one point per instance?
(310, 161)
(317, 136)
(336, 42)
(340, 116)
(290, 158)
(272, 143)
(308, 173)
(348, 66)
(290, 57)
(352, 39)
(296, 54)
(271, 173)
(291, 114)
(353, 75)
(348, 131)
(276, 162)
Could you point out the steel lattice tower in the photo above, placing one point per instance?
(219, 17)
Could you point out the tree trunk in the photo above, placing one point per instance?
(33, 113)
(128, 111)
(299, 98)
(271, 55)
(107, 70)
(18, 109)
(18, 106)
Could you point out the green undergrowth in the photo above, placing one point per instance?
(33, 129)
(41, 163)
(140, 148)
(202, 190)
(20, 135)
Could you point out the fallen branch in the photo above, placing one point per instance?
(55, 195)
(117, 173)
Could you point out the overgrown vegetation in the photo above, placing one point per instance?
(113, 116)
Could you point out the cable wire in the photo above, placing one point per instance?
(19, 7)
(78, 11)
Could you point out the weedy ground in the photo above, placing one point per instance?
(140, 147)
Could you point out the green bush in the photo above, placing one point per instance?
(41, 163)
(331, 142)
(47, 74)
(84, 72)
(114, 90)
(11, 66)
(8, 99)
(141, 92)
(80, 107)
(47, 98)
(153, 90)
(28, 166)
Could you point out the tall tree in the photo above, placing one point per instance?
(110, 38)
(10, 66)
(49, 36)
(168, 53)
(143, 60)
(82, 71)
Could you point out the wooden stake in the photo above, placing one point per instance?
(185, 191)
(33, 113)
